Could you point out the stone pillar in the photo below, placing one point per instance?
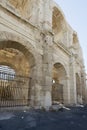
(45, 24)
(36, 82)
(80, 87)
(66, 92)
(33, 18)
(47, 20)
(73, 98)
(40, 11)
(47, 69)
(64, 33)
(83, 86)
(45, 15)
(80, 91)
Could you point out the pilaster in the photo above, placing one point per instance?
(73, 98)
(47, 68)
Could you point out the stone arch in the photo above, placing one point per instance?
(10, 40)
(63, 63)
(24, 8)
(58, 25)
(20, 5)
(59, 83)
(12, 43)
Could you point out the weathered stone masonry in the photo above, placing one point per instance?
(36, 41)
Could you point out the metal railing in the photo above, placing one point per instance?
(14, 90)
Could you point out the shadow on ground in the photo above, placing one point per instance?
(74, 119)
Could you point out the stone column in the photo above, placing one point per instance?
(83, 86)
(47, 20)
(44, 15)
(47, 69)
(44, 20)
(80, 91)
(73, 98)
(36, 82)
(40, 11)
(66, 92)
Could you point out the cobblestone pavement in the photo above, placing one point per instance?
(75, 119)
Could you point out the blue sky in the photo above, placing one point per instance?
(76, 15)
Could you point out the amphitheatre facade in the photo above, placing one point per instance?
(42, 49)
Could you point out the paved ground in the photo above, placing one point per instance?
(75, 119)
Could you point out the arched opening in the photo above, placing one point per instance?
(6, 69)
(16, 64)
(78, 89)
(23, 7)
(58, 25)
(6, 73)
(16, 59)
(59, 83)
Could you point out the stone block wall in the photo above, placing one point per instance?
(38, 30)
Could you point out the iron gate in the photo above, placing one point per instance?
(14, 90)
